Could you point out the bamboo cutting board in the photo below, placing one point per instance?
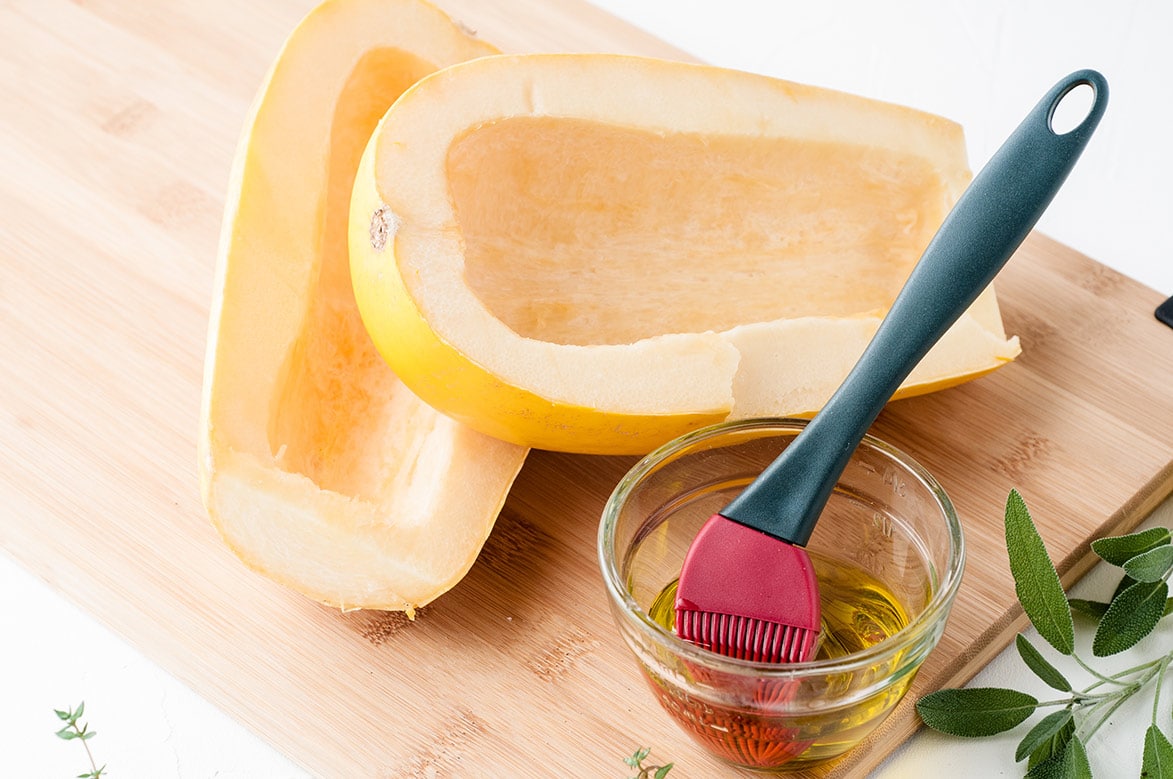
(117, 125)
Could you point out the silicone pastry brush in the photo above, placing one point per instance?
(747, 587)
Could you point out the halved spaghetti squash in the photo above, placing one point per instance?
(596, 253)
(318, 467)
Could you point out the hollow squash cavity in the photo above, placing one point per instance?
(581, 232)
(338, 401)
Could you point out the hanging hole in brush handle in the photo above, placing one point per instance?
(1072, 108)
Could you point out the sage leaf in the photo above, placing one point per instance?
(1051, 768)
(1035, 579)
(1125, 583)
(1118, 550)
(1131, 616)
(1075, 762)
(1151, 565)
(1053, 748)
(1042, 668)
(1158, 755)
(1043, 732)
(975, 711)
(1089, 608)
(1072, 763)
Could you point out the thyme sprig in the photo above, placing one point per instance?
(80, 732)
(636, 761)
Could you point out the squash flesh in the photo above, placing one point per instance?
(338, 402)
(580, 232)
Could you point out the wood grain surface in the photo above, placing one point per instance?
(118, 121)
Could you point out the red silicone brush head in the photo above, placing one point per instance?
(748, 595)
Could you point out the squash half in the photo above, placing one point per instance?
(596, 253)
(318, 467)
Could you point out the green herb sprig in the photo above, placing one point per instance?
(636, 761)
(82, 733)
(1055, 747)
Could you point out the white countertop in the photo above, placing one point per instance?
(981, 64)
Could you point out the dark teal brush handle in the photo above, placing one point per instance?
(976, 239)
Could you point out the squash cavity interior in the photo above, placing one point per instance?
(580, 232)
(337, 403)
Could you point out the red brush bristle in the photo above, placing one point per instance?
(745, 638)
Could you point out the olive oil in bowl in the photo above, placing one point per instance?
(771, 726)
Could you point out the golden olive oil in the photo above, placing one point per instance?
(766, 723)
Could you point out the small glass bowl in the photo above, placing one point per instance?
(888, 551)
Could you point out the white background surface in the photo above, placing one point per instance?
(981, 64)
